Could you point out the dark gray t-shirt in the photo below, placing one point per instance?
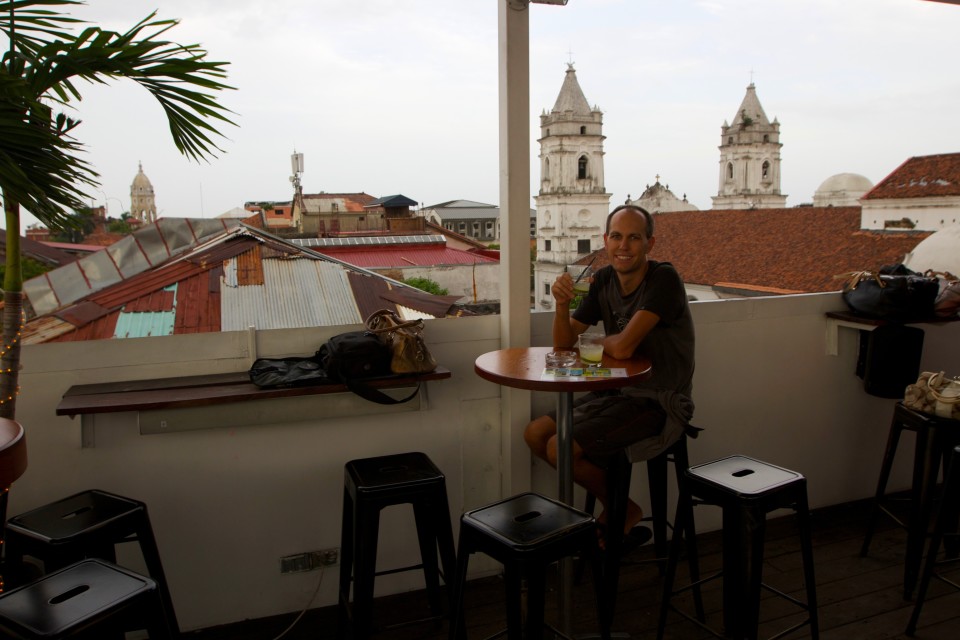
(670, 344)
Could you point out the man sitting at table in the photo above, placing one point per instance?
(644, 310)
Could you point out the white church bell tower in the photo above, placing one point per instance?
(572, 204)
(750, 159)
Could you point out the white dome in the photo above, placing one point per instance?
(841, 190)
(939, 252)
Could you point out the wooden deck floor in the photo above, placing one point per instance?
(859, 598)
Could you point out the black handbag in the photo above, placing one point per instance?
(356, 356)
(895, 293)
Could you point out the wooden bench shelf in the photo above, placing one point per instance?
(202, 391)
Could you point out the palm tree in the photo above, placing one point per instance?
(41, 168)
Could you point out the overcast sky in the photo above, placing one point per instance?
(400, 96)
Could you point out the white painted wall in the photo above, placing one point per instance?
(228, 502)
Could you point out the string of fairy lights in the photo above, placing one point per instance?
(3, 352)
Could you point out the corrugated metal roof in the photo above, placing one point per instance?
(144, 324)
(404, 256)
(98, 329)
(364, 241)
(142, 250)
(46, 329)
(157, 301)
(230, 283)
(198, 302)
(295, 293)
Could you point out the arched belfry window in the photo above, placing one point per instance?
(766, 170)
(582, 168)
(729, 171)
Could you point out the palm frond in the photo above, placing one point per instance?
(40, 166)
(28, 25)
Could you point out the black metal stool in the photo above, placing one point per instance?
(746, 489)
(946, 525)
(526, 533)
(371, 484)
(934, 438)
(90, 597)
(618, 490)
(86, 525)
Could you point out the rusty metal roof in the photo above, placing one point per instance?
(420, 255)
(230, 281)
(148, 247)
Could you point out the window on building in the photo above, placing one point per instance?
(463, 228)
(766, 171)
(729, 171)
(476, 229)
(730, 140)
(546, 288)
(766, 138)
(583, 131)
(533, 227)
(546, 245)
(488, 229)
(582, 168)
(583, 246)
(334, 206)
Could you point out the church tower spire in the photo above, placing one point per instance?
(143, 204)
(750, 159)
(572, 204)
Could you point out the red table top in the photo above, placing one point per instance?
(522, 367)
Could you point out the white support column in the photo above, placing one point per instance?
(514, 102)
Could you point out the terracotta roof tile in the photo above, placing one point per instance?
(798, 249)
(921, 177)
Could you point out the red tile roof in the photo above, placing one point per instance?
(774, 250)
(921, 177)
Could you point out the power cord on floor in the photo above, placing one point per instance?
(306, 608)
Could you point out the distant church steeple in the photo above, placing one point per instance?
(573, 203)
(143, 205)
(750, 159)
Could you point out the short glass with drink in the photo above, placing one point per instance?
(581, 284)
(591, 348)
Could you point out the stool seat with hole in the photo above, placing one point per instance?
(747, 490)
(526, 533)
(90, 598)
(370, 485)
(88, 524)
(935, 436)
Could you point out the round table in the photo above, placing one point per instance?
(523, 368)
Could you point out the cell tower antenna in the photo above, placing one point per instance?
(296, 165)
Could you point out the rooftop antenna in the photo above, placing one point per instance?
(296, 165)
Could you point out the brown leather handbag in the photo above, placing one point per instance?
(410, 353)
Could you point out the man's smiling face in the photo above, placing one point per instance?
(626, 242)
